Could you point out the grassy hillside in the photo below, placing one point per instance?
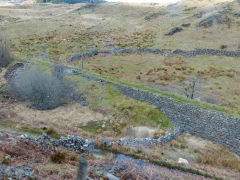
(55, 32)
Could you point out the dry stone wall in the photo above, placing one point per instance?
(217, 127)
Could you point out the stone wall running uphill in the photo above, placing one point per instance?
(215, 126)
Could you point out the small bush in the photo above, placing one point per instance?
(58, 157)
(5, 57)
(53, 133)
(40, 89)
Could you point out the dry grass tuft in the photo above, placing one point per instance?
(219, 156)
(58, 157)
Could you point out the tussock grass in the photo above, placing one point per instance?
(219, 156)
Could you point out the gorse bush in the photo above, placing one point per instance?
(5, 57)
(40, 89)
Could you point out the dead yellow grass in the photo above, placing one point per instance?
(70, 115)
(216, 155)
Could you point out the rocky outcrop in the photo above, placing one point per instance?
(219, 18)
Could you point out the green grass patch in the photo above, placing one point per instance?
(30, 129)
(3, 88)
(124, 110)
(95, 127)
(10, 124)
(36, 130)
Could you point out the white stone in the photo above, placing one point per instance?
(182, 161)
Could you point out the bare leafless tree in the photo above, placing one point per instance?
(189, 87)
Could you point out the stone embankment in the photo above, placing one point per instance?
(162, 52)
(215, 126)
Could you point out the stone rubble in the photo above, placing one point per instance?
(76, 143)
(20, 172)
(150, 141)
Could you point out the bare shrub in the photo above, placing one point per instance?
(189, 88)
(40, 89)
(5, 57)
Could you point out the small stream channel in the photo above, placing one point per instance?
(126, 167)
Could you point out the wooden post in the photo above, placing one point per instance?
(82, 173)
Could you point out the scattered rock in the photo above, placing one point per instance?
(42, 56)
(237, 14)
(2, 136)
(186, 25)
(2, 116)
(182, 161)
(106, 143)
(152, 16)
(160, 121)
(200, 14)
(189, 9)
(11, 139)
(91, 6)
(21, 172)
(111, 177)
(81, 99)
(174, 30)
(220, 18)
(223, 46)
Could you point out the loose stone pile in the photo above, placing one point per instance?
(149, 141)
(76, 143)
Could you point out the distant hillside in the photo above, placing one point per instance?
(71, 1)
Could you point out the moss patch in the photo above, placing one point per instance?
(122, 111)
